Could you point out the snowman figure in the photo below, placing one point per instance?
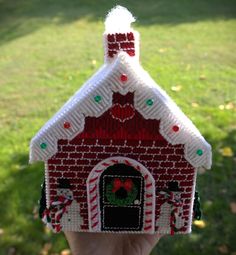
(70, 219)
(172, 204)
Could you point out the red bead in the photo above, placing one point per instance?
(175, 128)
(66, 125)
(123, 78)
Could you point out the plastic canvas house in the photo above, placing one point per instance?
(120, 156)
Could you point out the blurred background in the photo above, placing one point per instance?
(48, 49)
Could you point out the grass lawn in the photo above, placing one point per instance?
(48, 49)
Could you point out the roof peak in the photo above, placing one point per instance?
(149, 100)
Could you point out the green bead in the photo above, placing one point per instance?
(199, 152)
(149, 102)
(43, 146)
(97, 98)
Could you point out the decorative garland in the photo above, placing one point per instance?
(61, 203)
(197, 213)
(42, 201)
(128, 185)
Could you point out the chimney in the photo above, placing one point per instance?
(119, 36)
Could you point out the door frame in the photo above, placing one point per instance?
(93, 196)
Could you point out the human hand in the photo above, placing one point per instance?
(111, 244)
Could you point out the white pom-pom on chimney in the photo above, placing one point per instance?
(119, 35)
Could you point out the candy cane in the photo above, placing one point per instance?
(46, 216)
(61, 203)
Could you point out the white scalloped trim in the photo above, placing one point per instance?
(104, 83)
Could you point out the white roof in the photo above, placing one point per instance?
(104, 83)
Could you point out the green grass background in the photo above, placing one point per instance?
(47, 51)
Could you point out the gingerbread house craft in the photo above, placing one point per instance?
(120, 156)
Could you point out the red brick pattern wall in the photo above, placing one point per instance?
(75, 160)
(120, 41)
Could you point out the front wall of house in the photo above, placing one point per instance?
(137, 139)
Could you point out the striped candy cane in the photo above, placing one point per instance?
(61, 204)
